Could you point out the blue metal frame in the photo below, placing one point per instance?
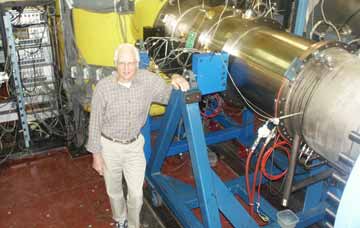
(301, 17)
(210, 71)
(211, 194)
(17, 81)
(247, 135)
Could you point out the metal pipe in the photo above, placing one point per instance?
(328, 225)
(346, 159)
(339, 178)
(333, 197)
(330, 212)
(291, 170)
(311, 180)
(355, 136)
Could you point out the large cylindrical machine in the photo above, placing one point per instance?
(281, 74)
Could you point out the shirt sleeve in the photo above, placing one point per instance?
(96, 120)
(161, 90)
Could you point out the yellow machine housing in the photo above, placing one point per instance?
(98, 34)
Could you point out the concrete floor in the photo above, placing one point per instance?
(54, 190)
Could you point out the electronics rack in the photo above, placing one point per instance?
(33, 54)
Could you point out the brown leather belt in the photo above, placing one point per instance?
(120, 141)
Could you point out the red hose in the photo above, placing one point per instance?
(280, 145)
(247, 169)
(253, 190)
(261, 165)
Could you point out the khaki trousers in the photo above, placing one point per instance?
(128, 160)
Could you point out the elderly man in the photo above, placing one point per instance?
(119, 108)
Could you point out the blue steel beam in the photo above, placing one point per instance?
(211, 138)
(314, 193)
(205, 185)
(156, 123)
(230, 207)
(166, 134)
(247, 136)
(301, 17)
(238, 187)
(311, 216)
(173, 195)
(182, 146)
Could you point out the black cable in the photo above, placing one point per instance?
(349, 18)
(20, 10)
(6, 157)
(28, 25)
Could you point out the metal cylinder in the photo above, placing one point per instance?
(326, 92)
(324, 87)
(260, 51)
(260, 57)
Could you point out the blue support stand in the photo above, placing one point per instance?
(211, 194)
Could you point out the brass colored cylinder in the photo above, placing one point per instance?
(323, 95)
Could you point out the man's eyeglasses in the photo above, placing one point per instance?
(123, 64)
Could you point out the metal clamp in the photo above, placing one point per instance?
(192, 96)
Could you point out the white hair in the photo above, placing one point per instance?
(123, 46)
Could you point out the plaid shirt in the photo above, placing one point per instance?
(120, 112)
